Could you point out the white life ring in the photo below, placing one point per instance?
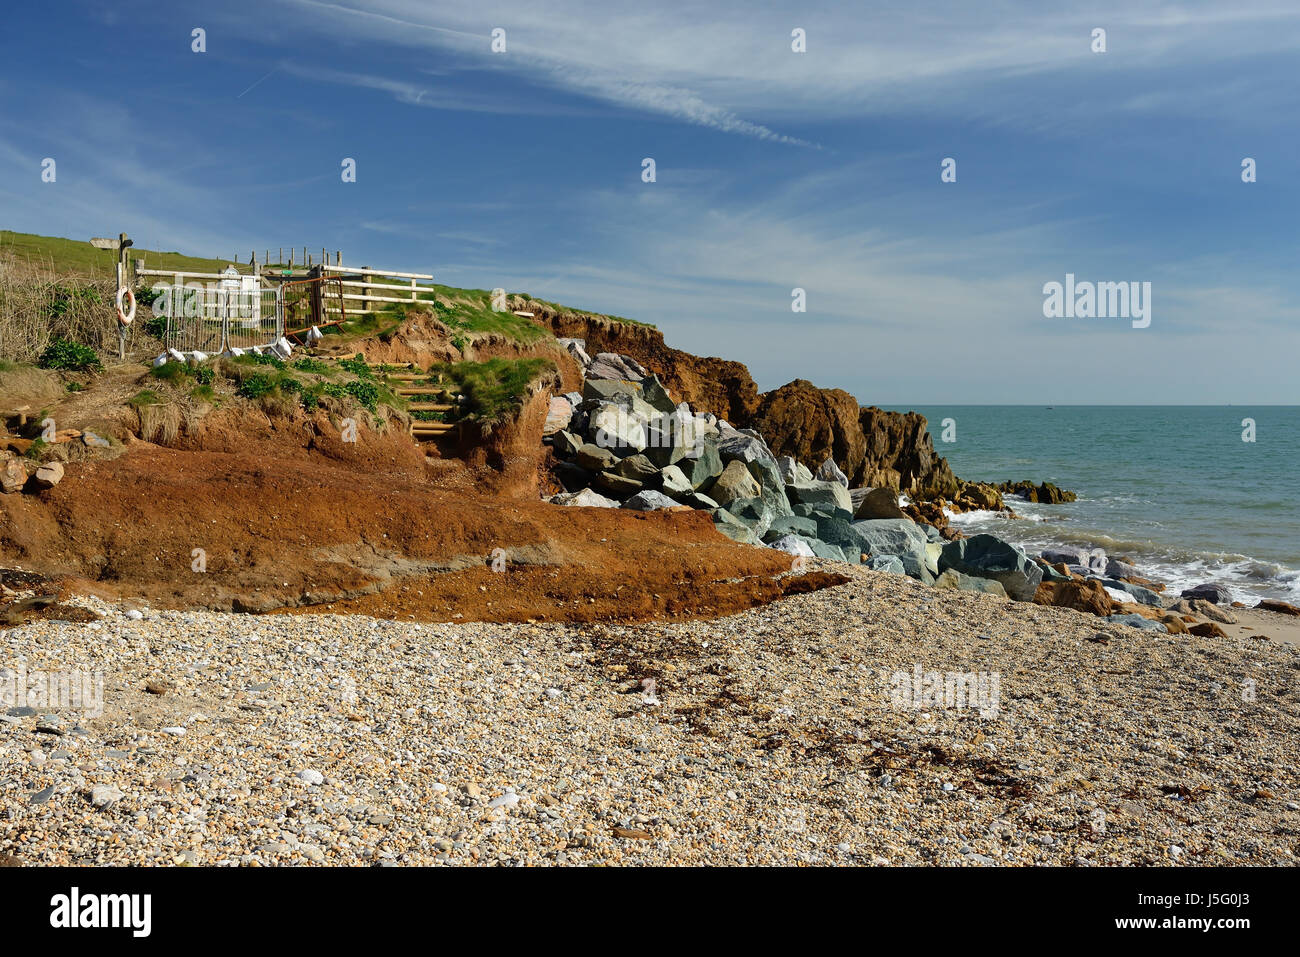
(125, 318)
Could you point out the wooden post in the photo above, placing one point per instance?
(413, 299)
(317, 300)
(365, 290)
(122, 245)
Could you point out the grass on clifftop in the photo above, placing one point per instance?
(496, 388)
(78, 258)
(467, 312)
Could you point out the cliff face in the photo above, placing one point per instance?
(721, 386)
(872, 446)
(813, 424)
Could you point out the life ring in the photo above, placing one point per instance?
(125, 318)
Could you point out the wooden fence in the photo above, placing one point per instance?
(366, 288)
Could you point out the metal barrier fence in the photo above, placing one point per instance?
(214, 320)
(231, 312)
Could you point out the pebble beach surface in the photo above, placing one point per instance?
(775, 736)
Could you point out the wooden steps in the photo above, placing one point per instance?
(429, 407)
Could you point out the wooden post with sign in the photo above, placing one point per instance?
(121, 244)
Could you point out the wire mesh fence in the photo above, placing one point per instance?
(214, 317)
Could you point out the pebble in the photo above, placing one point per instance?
(760, 753)
(104, 795)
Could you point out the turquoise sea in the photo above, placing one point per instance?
(1174, 487)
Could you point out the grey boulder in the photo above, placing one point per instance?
(986, 556)
(1211, 592)
(649, 501)
(871, 503)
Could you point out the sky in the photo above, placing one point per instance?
(775, 170)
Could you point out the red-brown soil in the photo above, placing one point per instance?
(293, 517)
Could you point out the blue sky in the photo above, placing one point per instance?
(775, 170)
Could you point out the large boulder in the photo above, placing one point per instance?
(954, 580)
(754, 512)
(1139, 594)
(638, 467)
(743, 447)
(791, 471)
(656, 396)
(703, 468)
(1211, 592)
(821, 493)
(771, 488)
(887, 563)
(1087, 595)
(900, 537)
(830, 472)
(584, 498)
(566, 444)
(820, 510)
(869, 503)
(594, 458)
(48, 475)
(576, 348)
(611, 365)
(673, 481)
(1281, 607)
(793, 545)
(1203, 608)
(734, 482)
(986, 556)
(1064, 555)
(793, 525)
(1137, 621)
(812, 425)
(610, 390)
(649, 501)
(977, 496)
(734, 528)
(558, 414)
(834, 552)
(1120, 569)
(700, 500)
(613, 427)
(13, 475)
(620, 486)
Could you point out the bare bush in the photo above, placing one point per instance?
(38, 306)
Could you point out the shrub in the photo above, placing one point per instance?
(357, 367)
(256, 386)
(69, 357)
(172, 371)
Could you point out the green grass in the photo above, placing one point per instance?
(465, 311)
(79, 258)
(144, 397)
(493, 389)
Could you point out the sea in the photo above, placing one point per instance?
(1191, 494)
